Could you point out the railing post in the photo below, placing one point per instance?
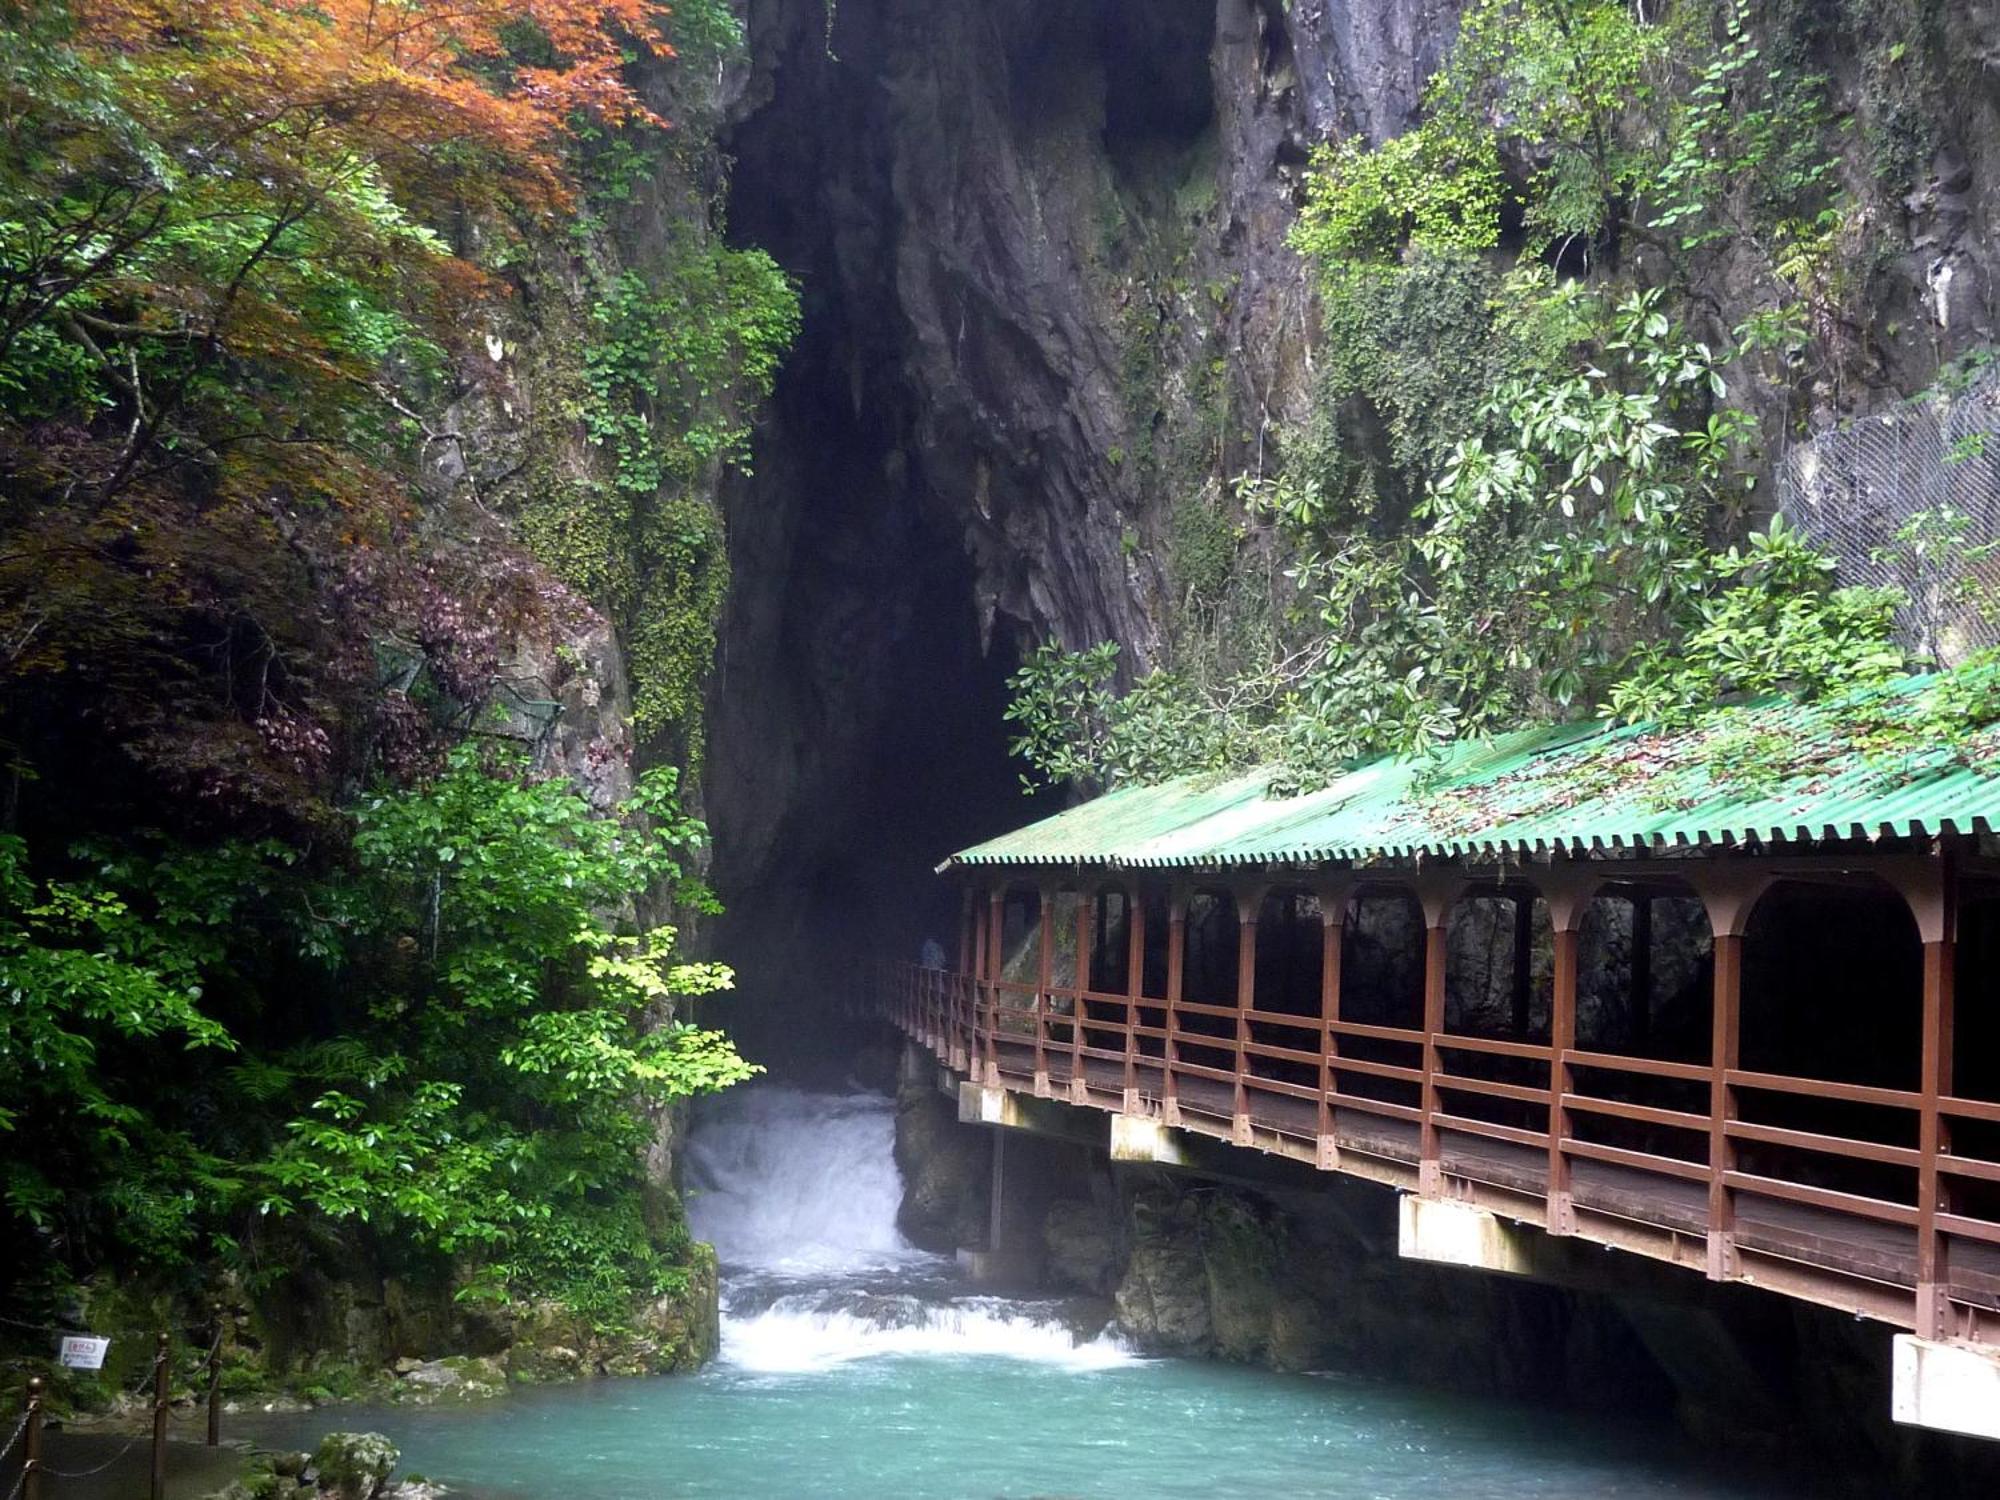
(31, 1443)
(1567, 900)
(160, 1378)
(1724, 1054)
(1249, 903)
(969, 999)
(1729, 896)
(1044, 977)
(1930, 887)
(1436, 898)
(215, 1378)
(1086, 910)
(1333, 920)
(1135, 988)
(996, 916)
(1177, 905)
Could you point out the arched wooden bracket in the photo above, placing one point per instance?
(1567, 891)
(1730, 893)
(1925, 882)
(1249, 902)
(1333, 896)
(1436, 894)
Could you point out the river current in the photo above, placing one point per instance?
(854, 1365)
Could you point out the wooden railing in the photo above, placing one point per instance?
(1679, 1147)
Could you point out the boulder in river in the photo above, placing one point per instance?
(354, 1465)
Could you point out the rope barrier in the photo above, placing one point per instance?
(63, 1330)
(87, 1473)
(8, 1446)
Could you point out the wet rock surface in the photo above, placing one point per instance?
(947, 1171)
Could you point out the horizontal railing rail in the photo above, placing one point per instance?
(1593, 1132)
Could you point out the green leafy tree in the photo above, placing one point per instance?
(476, 1028)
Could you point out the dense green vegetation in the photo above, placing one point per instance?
(1531, 487)
(450, 1035)
(339, 426)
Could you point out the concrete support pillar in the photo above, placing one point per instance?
(1947, 1387)
(1026, 1171)
(1457, 1234)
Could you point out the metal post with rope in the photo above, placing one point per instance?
(215, 1378)
(160, 1382)
(27, 1435)
(158, 1373)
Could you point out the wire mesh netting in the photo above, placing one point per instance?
(1909, 498)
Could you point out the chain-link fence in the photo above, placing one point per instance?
(1910, 498)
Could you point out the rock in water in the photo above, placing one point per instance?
(355, 1465)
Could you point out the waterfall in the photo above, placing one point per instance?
(798, 1192)
(786, 1180)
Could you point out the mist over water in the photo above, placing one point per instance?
(798, 1192)
(781, 1179)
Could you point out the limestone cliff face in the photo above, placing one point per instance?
(1048, 303)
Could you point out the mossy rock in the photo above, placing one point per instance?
(354, 1465)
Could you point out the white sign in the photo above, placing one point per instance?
(81, 1352)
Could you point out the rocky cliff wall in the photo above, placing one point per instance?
(1051, 315)
(1048, 307)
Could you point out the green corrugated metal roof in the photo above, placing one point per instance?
(1579, 788)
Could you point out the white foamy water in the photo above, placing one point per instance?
(786, 1180)
(806, 1332)
(798, 1193)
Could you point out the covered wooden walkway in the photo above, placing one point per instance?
(1771, 1057)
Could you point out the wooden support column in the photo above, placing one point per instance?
(1332, 922)
(1044, 977)
(1436, 896)
(1729, 896)
(996, 932)
(1177, 905)
(1930, 887)
(1567, 894)
(1086, 912)
(967, 917)
(1135, 989)
(1249, 906)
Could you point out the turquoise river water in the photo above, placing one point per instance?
(853, 1366)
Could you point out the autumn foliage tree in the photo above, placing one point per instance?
(243, 245)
